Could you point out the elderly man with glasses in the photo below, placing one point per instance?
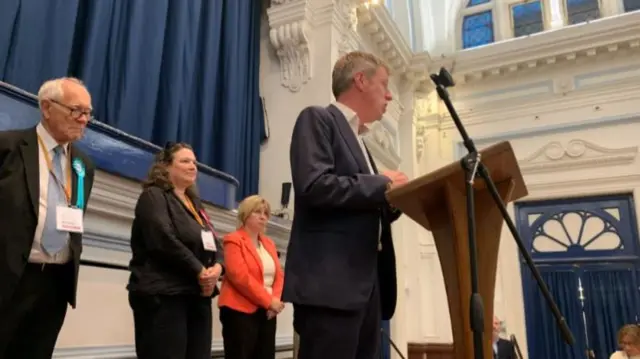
(45, 183)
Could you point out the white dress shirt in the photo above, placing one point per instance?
(38, 255)
(268, 266)
(354, 123)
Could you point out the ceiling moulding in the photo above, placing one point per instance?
(376, 23)
(570, 44)
(566, 45)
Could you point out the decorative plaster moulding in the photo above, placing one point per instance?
(576, 154)
(565, 45)
(384, 33)
(288, 22)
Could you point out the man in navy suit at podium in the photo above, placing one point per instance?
(340, 268)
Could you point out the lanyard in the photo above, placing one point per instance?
(192, 209)
(65, 185)
(206, 218)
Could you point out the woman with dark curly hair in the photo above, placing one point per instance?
(176, 262)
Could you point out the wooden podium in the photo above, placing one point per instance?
(437, 201)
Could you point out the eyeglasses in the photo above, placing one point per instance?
(75, 112)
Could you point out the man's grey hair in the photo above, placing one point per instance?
(53, 89)
(350, 64)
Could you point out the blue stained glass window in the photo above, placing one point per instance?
(631, 5)
(477, 29)
(476, 2)
(527, 18)
(582, 10)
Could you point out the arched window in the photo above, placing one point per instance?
(478, 26)
(482, 22)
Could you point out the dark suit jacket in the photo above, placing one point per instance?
(505, 349)
(166, 246)
(19, 195)
(333, 259)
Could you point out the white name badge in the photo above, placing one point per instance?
(69, 219)
(208, 242)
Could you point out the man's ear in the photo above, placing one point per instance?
(359, 80)
(45, 108)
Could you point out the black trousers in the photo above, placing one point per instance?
(31, 320)
(172, 326)
(248, 336)
(339, 334)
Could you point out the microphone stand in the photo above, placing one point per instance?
(472, 165)
(384, 335)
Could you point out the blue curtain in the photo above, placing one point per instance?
(36, 38)
(611, 298)
(161, 70)
(547, 340)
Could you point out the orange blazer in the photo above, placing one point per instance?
(243, 284)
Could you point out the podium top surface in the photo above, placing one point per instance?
(427, 193)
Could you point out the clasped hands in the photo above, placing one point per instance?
(208, 278)
(275, 308)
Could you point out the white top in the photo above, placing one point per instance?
(38, 254)
(621, 355)
(353, 120)
(268, 266)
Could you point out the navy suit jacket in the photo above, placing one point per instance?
(333, 259)
(505, 349)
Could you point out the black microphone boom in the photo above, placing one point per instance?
(472, 165)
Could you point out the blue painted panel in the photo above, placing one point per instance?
(575, 260)
(112, 150)
(591, 211)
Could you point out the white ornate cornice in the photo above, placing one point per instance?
(345, 15)
(377, 24)
(604, 37)
(289, 22)
(607, 36)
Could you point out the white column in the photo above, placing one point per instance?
(405, 241)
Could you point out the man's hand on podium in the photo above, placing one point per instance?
(397, 178)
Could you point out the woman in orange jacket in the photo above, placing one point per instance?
(249, 298)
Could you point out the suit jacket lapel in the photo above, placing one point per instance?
(252, 249)
(30, 158)
(350, 138)
(373, 163)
